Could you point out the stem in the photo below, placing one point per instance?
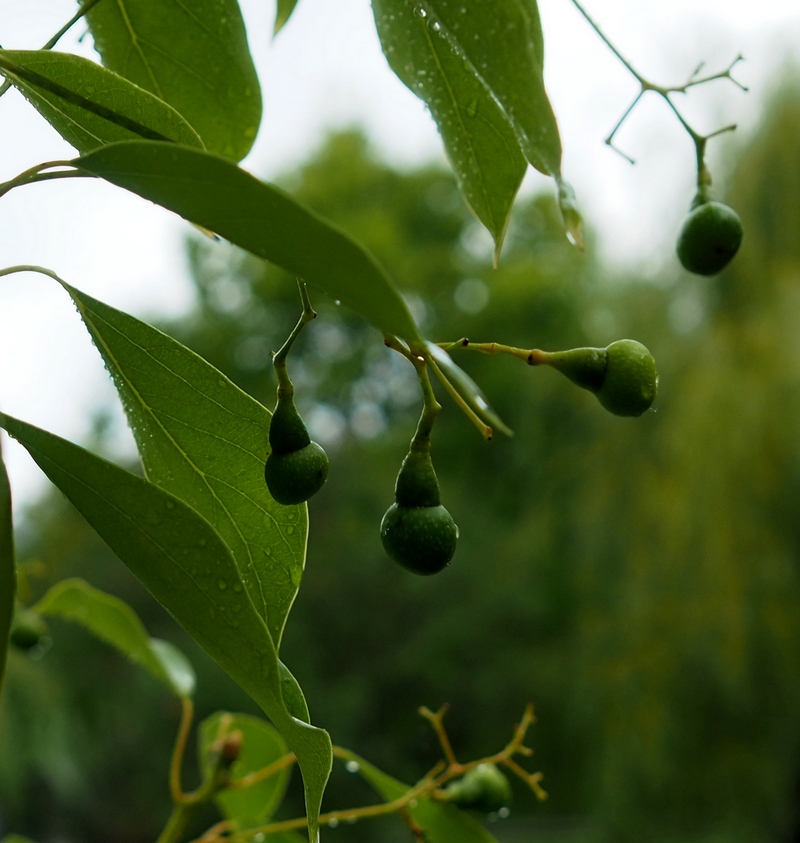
(703, 178)
(34, 174)
(187, 713)
(438, 726)
(285, 388)
(84, 9)
(11, 270)
(483, 428)
(254, 778)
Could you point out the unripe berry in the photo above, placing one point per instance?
(710, 236)
(296, 468)
(417, 531)
(484, 788)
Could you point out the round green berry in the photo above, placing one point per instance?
(294, 476)
(420, 538)
(709, 237)
(631, 381)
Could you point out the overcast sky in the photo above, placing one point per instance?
(324, 70)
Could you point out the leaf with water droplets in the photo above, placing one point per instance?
(480, 143)
(114, 622)
(8, 570)
(501, 41)
(180, 558)
(122, 110)
(193, 56)
(205, 441)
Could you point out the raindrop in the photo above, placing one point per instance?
(420, 12)
(221, 584)
(434, 26)
(504, 813)
(352, 766)
(333, 822)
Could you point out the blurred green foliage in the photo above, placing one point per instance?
(638, 580)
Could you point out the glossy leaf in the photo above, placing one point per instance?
(89, 105)
(215, 194)
(114, 622)
(205, 441)
(262, 746)
(192, 55)
(282, 14)
(502, 46)
(480, 143)
(442, 823)
(8, 570)
(188, 569)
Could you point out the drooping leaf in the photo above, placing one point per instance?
(262, 746)
(441, 822)
(89, 105)
(212, 192)
(480, 143)
(501, 44)
(282, 14)
(114, 622)
(8, 569)
(180, 558)
(205, 441)
(192, 55)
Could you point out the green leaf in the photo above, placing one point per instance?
(441, 822)
(114, 622)
(8, 570)
(215, 194)
(480, 143)
(205, 441)
(261, 746)
(282, 14)
(502, 45)
(180, 558)
(192, 55)
(88, 105)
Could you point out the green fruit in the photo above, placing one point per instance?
(622, 376)
(296, 468)
(484, 788)
(420, 538)
(417, 531)
(631, 382)
(709, 237)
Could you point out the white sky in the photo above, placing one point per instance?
(326, 69)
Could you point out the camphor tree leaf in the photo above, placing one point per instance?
(282, 14)
(501, 41)
(441, 822)
(262, 746)
(8, 569)
(215, 194)
(64, 89)
(204, 440)
(480, 143)
(180, 558)
(114, 622)
(193, 56)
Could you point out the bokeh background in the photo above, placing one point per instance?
(637, 580)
